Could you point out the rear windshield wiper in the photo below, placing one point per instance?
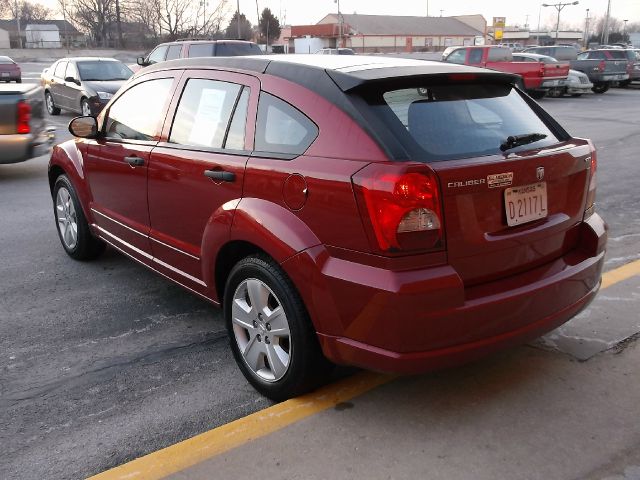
(514, 141)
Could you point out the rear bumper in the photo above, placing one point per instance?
(18, 148)
(415, 321)
(554, 83)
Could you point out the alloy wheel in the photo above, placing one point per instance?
(261, 330)
(67, 218)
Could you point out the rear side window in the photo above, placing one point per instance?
(133, 116)
(174, 52)
(281, 128)
(499, 54)
(233, 49)
(204, 112)
(618, 54)
(201, 50)
(442, 122)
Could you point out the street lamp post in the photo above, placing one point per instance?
(559, 7)
(624, 31)
(586, 30)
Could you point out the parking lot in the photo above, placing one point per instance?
(104, 362)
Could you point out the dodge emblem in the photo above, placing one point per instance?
(540, 173)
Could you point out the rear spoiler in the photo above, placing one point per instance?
(348, 81)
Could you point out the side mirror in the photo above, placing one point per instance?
(72, 80)
(140, 61)
(84, 127)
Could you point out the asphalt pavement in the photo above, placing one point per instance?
(103, 362)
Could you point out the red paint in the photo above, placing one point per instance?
(478, 286)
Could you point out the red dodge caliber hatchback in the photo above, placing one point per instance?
(391, 214)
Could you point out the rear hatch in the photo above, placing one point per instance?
(513, 183)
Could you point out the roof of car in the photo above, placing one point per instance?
(89, 59)
(346, 71)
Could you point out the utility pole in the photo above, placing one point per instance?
(339, 25)
(18, 23)
(624, 31)
(538, 31)
(238, 17)
(427, 8)
(605, 31)
(586, 30)
(559, 7)
(526, 21)
(118, 24)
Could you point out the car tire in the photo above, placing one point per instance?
(600, 87)
(71, 224)
(19, 80)
(576, 95)
(85, 108)
(279, 365)
(537, 94)
(51, 107)
(624, 83)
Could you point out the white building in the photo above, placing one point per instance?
(42, 36)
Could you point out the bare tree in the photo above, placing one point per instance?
(92, 16)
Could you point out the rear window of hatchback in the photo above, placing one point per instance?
(455, 121)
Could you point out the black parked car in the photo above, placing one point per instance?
(83, 85)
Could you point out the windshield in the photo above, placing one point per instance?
(96, 70)
(442, 122)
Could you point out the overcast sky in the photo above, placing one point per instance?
(300, 12)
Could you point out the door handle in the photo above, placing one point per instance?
(220, 175)
(134, 161)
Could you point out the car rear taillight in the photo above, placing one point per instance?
(542, 70)
(591, 192)
(401, 205)
(601, 66)
(23, 117)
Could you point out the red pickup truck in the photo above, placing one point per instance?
(537, 77)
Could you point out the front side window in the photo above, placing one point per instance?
(281, 128)
(458, 121)
(204, 112)
(137, 113)
(174, 52)
(457, 56)
(157, 55)
(71, 71)
(60, 69)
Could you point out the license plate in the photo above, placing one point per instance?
(5, 74)
(525, 204)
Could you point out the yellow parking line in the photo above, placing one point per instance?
(184, 454)
(189, 452)
(621, 273)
